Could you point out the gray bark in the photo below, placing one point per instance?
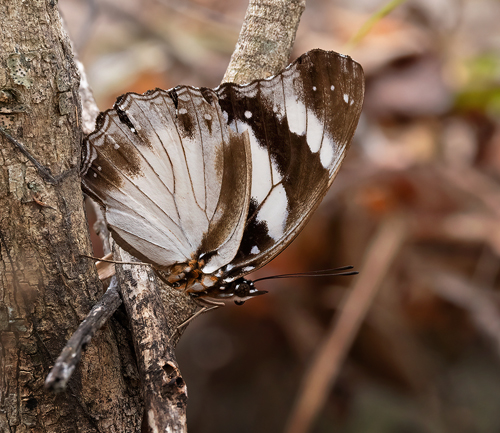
(266, 40)
(46, 288)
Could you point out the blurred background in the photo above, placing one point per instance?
(415, 209)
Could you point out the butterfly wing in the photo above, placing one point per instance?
(230, 174)
(161, 164)
(300, 124)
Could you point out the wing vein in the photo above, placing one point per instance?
(195, 111)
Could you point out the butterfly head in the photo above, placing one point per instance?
(239, 291)
(242, 290)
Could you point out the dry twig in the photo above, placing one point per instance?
(70, 356)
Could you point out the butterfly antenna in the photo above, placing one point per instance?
(116, 262)
(323, 273)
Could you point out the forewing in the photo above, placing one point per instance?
(300, 124)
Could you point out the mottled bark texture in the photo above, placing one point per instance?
(154, 317)
(46, 288)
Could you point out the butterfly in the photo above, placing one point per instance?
(208, 185)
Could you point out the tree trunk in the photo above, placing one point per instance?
(46, 288)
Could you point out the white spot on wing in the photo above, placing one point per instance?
(346, 98)
(207, 116)
(332, 87)
(274, 212)
(248, 114)
(255, 250)
(314, 88)
(113, 141)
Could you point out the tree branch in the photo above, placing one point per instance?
(266, 40)
(46, 288)
(72, 352)
(154, 330)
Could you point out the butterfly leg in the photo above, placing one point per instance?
(206, 305)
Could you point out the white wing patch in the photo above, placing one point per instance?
(326, 155)
(295, 113)
(315, 129)
(262, 169)
(274, 212)
(262, 179)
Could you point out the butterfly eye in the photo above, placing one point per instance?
(239, 302)
(242, 289)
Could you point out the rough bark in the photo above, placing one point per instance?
(46, 288)
(154, 318)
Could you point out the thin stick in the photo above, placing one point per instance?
(44, 172)
(326, 365)
(65, 364)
